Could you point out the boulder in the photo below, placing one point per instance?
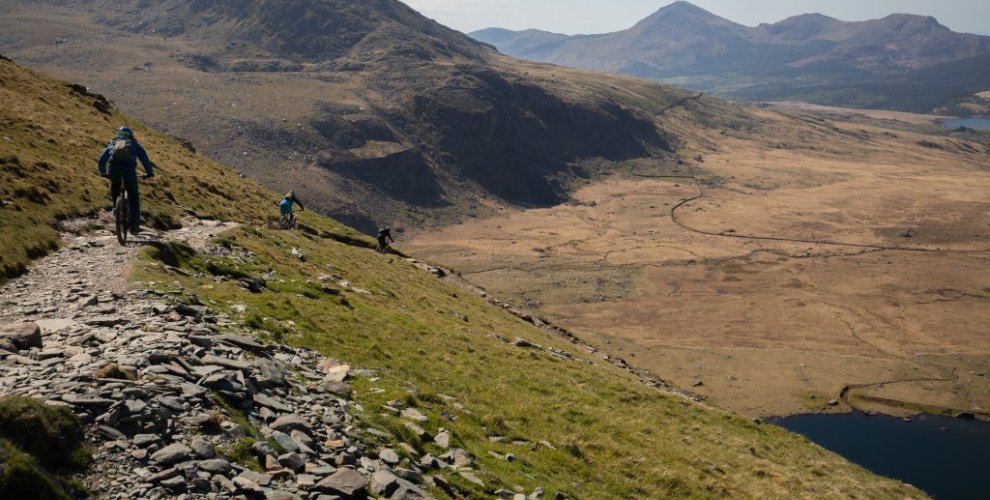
(22, 335)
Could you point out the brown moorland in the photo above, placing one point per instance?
(842, 262)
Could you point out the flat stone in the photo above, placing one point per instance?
(224, 482)
(22, 335)
(248, 486)
(408, 474)
(269, 402)
(305, 481)
(163, 475)
(470, 477)
(389, 456)
(177, 483)
(293, 461)
(414, 415)
(135, 406)
(51, 353)
(286, 423)
(107, 321)
(86, 400)
(334, 371)
(418, 431)
(233, 364)
(201, 341)
(345, 482)
(215, 465)
(111, 433)
(171, 454)
(242, 342)
(143, 440)
(55, 325)
(174, 404)
(271, 371)
(461, 458)
(442, 439)
(285, 441)
(342, 389)
(256, 477)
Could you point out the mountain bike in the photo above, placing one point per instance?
(121, 214)
(289, 221)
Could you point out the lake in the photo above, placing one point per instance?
(945, 457)
(974, 123)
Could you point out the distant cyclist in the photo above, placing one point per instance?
(285, 209)
(121, 155)
(384, 236)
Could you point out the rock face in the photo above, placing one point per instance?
(145, 371)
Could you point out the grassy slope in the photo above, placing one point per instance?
(612, 437)
(50, 138)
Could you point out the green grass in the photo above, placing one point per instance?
(436, 347)
(40, 447)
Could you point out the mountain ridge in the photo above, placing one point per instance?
(375, 113)
(695, 48)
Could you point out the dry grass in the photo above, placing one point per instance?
(766, 324)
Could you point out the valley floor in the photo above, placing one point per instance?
(828, 265)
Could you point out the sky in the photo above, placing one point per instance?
(603, 16)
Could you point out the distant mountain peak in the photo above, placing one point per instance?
(914, 23)
(682, 14)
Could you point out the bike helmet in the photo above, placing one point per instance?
(125, 132)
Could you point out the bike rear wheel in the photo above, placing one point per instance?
(120, 219)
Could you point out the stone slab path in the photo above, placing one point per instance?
(168, 388)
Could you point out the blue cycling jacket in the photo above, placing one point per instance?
(137, 153)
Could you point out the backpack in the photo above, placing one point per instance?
(120, 150)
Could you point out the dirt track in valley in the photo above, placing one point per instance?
(800, 272)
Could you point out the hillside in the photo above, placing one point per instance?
(543, 413)
(373, 113)
(883, 63)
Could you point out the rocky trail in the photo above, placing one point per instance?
(170, 391)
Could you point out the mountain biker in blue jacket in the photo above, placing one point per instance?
(285, 206)
(124, 172)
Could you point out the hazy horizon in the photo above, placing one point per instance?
(595, 16)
